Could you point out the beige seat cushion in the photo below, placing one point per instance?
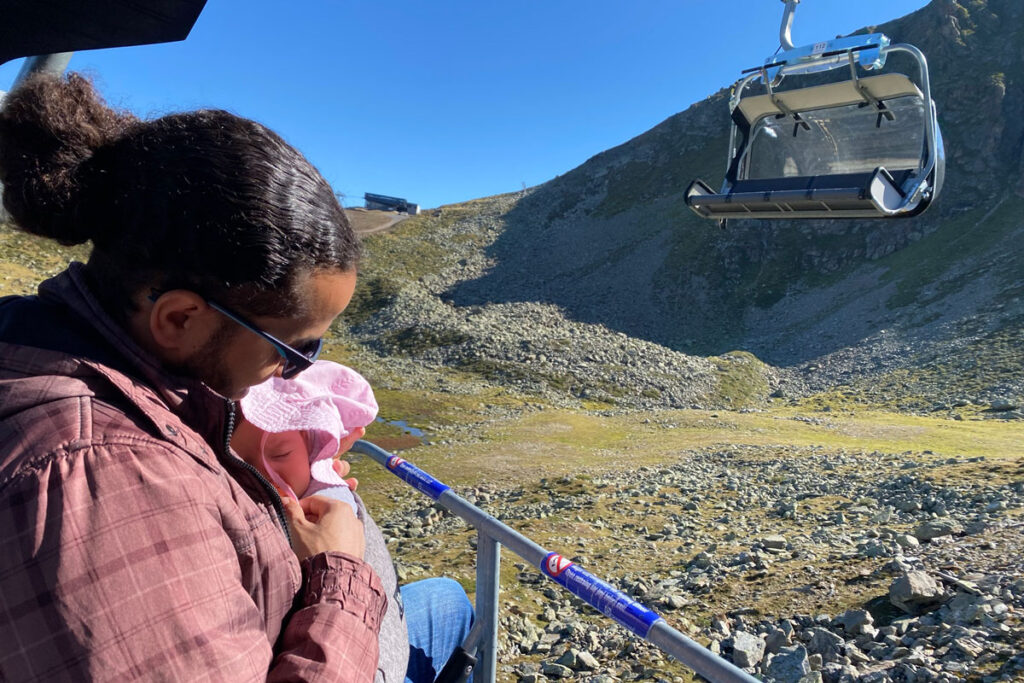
(845, 93)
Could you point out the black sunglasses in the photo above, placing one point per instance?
(295, 359)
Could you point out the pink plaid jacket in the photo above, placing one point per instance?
(133, 545)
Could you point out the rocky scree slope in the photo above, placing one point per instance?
(400, 312)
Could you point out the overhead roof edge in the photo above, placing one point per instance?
(43, 27)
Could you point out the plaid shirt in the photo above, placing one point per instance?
(134, 546)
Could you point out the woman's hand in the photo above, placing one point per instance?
(319, 524)
(341, 466)
(353, 436)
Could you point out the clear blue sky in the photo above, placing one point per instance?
(445, 101)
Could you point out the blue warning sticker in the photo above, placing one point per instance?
(415, 477)
(600, 595)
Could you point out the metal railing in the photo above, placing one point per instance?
(605, 598)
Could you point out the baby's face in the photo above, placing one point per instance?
(286, 453)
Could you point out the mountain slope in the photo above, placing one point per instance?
(614, 233)
(612, 245)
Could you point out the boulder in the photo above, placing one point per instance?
(747, 649)
(776, 640)
(789, 665)
(586, 661)
(907, 541)
(568, 658)
(553, 670)
(936, 528)
(965, 608)
(853, 621)
(916, 593)
(1000, 404)
(821, 641)
(532, 678)
(835, 672)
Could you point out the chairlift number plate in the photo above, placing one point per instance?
(819, 48)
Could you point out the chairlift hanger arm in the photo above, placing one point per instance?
(870, 50)
(771, 64)
(785, 31)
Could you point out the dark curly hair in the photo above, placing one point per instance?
(204, 200)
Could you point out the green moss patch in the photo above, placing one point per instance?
(742, 380)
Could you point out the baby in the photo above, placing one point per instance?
(292, 429)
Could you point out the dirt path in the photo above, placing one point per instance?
(366, 222)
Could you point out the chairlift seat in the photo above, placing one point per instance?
(861, 147)
(848, 195)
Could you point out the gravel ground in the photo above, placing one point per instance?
(915, 561)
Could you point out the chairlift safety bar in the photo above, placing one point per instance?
(869, 49)
(600, 595)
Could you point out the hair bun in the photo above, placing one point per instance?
(49, 126)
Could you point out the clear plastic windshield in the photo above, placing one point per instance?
(840, 140)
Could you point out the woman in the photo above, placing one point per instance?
(136, 544)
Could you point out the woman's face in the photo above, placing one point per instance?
(238, 359)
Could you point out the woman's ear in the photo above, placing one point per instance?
(181, 322)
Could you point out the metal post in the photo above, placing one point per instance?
(600, 595)
(488, 561)
(54, 63)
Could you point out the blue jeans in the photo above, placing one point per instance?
(438, 615)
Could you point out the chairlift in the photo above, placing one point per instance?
(803, 145)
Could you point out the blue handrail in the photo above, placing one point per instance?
(600, 595)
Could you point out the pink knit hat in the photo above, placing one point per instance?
(327, 401)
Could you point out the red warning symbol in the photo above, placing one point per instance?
(556, 564)
(394, 461)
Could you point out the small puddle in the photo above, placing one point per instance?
(404, 426)
(410, 437)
